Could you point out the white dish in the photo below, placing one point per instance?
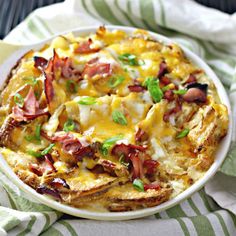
(219, 158)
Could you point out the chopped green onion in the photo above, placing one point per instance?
(48, 149)
(141, 62)
(69, 125)
(183, 133)
(36, 136)
(138, 185)
(30, 138)
(122, 161)
(154, 89)
(19, 100)
(87, 100)
(119, 118)
(71, 86)
(30, 80)
(165, 88)
(115, 81)
(33, 153)
(129, 59)
(37, 94)
(42, 153)
(180, 91)
(108, 143)
(37, 132)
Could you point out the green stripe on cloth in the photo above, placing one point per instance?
(175, 212)
(183, 226)
(147, 13)
(222, 222)
(202, 225)
(163, 16)
(52, 232)
(105, 12)
(29, 226)
(125, 14)
(34, 29)
(8, 221)
(68, 226)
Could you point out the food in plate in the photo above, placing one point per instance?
(110, 121)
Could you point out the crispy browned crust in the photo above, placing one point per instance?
(136, 200)
(5, 131)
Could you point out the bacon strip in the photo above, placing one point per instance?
(137, 164)
(30, 109)
(52, 192)
(85, 47)
(59, 182)
(153, 185)
(163, 69)
(40, 62)
(136, 88)
(65, 69)
(101, 69)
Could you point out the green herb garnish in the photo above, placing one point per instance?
(69, 125)
(48, 149)
(138, 185)
(154, 89)
(87, 100)
(36, 136)
(19, 100)
(183, 133)
(42, 153)
(108, 143)
(129, 59)
(30, 80)
(71, 86)
(33, 153)
(119, 118)
(115, 81)
(180, 91)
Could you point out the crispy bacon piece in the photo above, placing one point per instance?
(141, 136)
(52, 192)
(40, 62)
(74, 147)
(30, 109)
(123, 149)
(46, 165)
(85, 47)
(165, 80)
(153, 185)
(191, 79)
(151, 166)
(57, 64)
(58, 183)
(49, 77)
(136, 88)
(169, 95)
(196, 93)
(138, 171)
(71, 145)
(36, 169)
(97, 68)
(163, 69)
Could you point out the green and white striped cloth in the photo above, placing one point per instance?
(208, 33)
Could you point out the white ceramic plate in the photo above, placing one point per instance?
(219, 158)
